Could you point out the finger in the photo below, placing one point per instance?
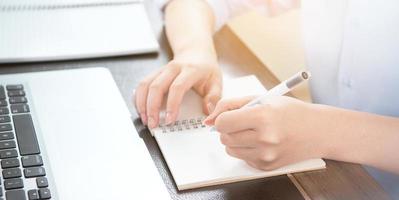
(237, 120)
(183, 82)
(156, 93)
(141, 93)
(247, 138)
(259, 166)
(212, 96)
(247, 154)
(264, 165)
(226, 105)
(252, 164)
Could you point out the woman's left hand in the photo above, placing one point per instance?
(279, 132)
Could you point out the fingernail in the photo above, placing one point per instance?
(168, 118)
(151, 122)
(207, 120)
(211, 107)
(143, 118)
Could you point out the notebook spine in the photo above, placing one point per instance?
(37, 7)
(183, 125)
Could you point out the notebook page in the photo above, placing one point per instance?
(196, 158)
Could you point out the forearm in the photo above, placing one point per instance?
(360, 137)
(189, 27)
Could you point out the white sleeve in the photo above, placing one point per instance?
(221, 10)
(161, 4)
(227, 9)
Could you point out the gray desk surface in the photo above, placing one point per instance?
(339, 181)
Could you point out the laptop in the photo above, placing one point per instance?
(46, 30)
(68, 135)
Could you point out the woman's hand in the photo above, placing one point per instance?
(189, 29)
(189, 70)
(268, 136)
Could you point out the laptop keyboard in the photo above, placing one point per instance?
(20, 157)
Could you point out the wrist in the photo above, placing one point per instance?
(351, 136)
(201, 52)
(323, 129)
(337, 135)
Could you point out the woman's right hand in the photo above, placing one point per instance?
(190, 70)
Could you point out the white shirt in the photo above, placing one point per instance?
(352, 51)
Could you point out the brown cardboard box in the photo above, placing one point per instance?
(276, 42)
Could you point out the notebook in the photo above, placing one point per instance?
(194, 154)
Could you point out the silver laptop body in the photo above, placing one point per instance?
(89, 146)
(44, 30)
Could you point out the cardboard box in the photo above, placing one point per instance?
(276, 42)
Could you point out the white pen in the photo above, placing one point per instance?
(281, 89)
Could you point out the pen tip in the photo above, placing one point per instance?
(305, 75)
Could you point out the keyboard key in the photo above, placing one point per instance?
(15, 195)
(2, 93)
(19, 108)
(32, 161)
(8, 163)
(26, 135)
(4, 111)
(16, 93)
(3, 103)
(6, 136)
(5, 127)
(9, 144)
(15, 87)
(15, 100)
(44, 193)
(5, 119)
(34, 172)
(42, 182)
(14, 183)
(33, 194)
(1, 193)
(11, 173)
(10, 153)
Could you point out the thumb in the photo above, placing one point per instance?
(211, 98)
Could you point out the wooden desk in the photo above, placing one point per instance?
(338, 181)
